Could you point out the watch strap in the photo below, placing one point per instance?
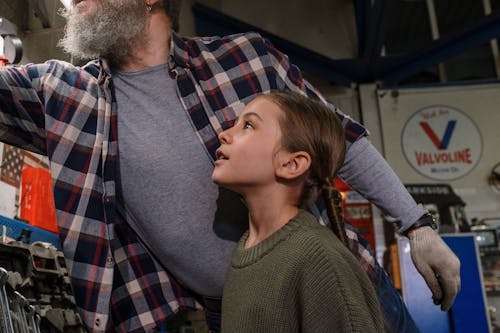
(426, 220)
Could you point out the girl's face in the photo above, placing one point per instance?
(247, 156)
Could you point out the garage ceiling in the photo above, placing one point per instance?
(395, 41)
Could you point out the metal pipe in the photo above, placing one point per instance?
(31, 318)
(38, 319)
(493, 42)
(5, 317)
(18, 304)
(431, 9)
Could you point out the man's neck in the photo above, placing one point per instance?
(156, 48)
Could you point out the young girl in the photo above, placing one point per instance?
(289, 273)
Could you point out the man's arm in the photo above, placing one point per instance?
(22, 122)
(367, 172)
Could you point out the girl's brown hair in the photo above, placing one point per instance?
(309, 125)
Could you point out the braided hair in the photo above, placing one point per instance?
(309, 125)
(333, 201)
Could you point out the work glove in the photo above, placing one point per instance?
(437, 264)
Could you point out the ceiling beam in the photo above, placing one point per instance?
(370, 66)
(372, 20)
(441, 49)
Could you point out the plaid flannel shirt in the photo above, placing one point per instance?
(69, 114)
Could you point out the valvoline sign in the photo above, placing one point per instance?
(441, 142)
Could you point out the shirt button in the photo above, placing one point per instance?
(107, 199)
(109, 260)
(173, 74)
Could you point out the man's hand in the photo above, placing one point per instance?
(437, 264)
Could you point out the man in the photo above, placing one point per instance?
(131, 140)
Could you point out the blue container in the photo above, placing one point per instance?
(16, 227)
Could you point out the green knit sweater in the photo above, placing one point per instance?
(300, 279)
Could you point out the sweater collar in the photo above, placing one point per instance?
(244, 257)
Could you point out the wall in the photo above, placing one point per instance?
(39, 44)
(389, 111)
(327, 27)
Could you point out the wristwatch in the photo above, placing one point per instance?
(426, 220)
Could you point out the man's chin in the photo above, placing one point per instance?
(95, 30)
(83, 57)
(78, 51)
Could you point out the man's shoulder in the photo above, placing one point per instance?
(92, 67)
(215, 43)
(64, 69)
(313, 236)
(251, 35)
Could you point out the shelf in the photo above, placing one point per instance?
(489, 253)
(492, 292)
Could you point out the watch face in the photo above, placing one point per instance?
(431, 221)
(427, 221)
(434, 224)
(434, 212)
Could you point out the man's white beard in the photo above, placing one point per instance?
(111, 31)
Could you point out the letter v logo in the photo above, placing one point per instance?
(445, 141)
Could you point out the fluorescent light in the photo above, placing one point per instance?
(66, 3)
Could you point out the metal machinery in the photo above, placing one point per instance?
(35, 289)
(442, 202)
(11, 50)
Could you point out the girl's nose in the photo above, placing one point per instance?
(224, 136)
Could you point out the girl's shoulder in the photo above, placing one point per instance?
(314, 241)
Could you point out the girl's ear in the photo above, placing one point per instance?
(292, 165)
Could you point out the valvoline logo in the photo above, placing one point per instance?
(441, 142)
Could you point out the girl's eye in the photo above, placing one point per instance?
(247, 125)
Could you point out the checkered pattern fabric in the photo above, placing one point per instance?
(69, 114)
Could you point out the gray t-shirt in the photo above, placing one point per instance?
(166, 183)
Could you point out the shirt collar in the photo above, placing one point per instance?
(105, 72)
(179, 56)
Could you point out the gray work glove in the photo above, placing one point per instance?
(437, 264)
